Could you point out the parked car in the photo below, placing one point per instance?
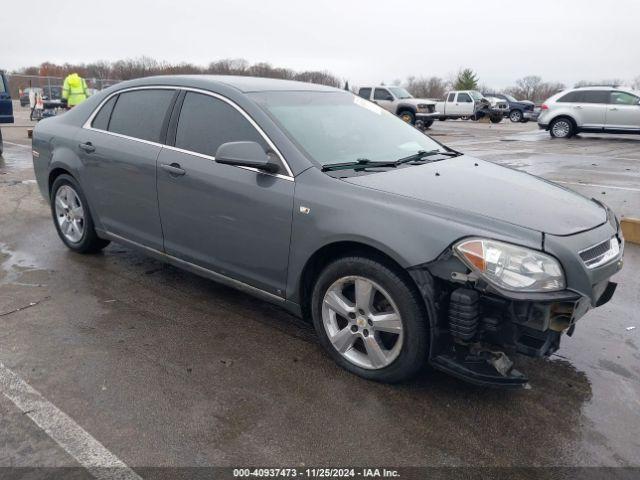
(400, 249)
(519, 110)
(470, 104)
(6, 105)
(591, 109)
(416, 111)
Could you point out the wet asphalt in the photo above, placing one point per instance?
(168, 369)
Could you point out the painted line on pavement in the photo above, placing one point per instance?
(77, 442)
(631, 189)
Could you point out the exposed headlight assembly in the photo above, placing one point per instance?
(511, 267)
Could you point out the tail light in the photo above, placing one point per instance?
(544, 107)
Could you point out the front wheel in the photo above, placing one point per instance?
(515, 116)
(407, 116)
(370, 320)
(72, 217)
(561, 128)
(427, 124)
(495, 118)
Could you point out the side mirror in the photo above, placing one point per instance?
(389, 98)
(245, 154)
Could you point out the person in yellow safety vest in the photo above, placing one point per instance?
(74, 90)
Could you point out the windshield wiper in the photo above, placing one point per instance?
(361, 163)
(422, 154)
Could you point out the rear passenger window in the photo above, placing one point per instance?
(594, 96)
(101, 120)
(569, 97)
(206, 123)
(365, 93)
(141, 113)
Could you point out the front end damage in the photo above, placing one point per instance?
(477, 328)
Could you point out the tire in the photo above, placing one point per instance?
(427, 124)
(407, 116)
(561, 127)
(495, 118)
(72, 218)
(516, 116)
(443, 119)
(370, 352)
(1, 144)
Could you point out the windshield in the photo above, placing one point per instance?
(340, 127)
(400, 93)
(510, 98)
(475, 95)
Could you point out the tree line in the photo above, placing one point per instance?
(531, 87)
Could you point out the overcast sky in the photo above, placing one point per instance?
(363, 41)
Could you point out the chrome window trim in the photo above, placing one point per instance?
(87, 126)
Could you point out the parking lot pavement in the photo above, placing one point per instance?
(163, 368)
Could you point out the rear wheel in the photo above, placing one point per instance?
(407, 116)
(515, 116)
(370, 320)
(72, 217)
(561, 128)
(495, 118)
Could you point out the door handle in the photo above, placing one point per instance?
(87, 147)
(578, 106)
(614, 109)
(173, 169)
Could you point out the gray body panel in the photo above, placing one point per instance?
(237, 225)
(231, 220)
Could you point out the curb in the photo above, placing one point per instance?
(631, 229)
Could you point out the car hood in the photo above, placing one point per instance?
(417, 101)
(486, 189)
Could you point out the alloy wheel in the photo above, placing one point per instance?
(561, 128)
(362, 322)
(515, 116)
(69, 213)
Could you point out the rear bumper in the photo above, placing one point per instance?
(531, 114)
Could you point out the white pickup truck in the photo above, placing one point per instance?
(471, 104)
(416, 111)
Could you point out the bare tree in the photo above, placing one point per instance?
(587, 83)
(533, 88)
(635, 83)
(431, 87)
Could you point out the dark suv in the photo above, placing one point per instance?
(6, 106)
(519, 110)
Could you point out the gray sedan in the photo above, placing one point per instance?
(400, 250)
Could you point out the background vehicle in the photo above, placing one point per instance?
(470, 104)
(519, 110)
(416, 111)
(591, 109)
(6, 106)
(324, 203)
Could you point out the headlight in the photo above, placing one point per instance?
(510, 266)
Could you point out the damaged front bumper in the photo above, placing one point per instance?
(475, 326)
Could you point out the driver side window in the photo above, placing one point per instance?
(623, 98)
(464, 98)
(382, 94)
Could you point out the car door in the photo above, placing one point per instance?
(464, 104)
(623, 111)
(383, 97)
(592, 108)
(235, 221)
(6, 107)
(118, 149)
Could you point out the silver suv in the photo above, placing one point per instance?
(591, 109)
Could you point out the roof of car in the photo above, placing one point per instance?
(242, 83)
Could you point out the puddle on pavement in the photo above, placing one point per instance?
(15, 157)
(19, 268)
